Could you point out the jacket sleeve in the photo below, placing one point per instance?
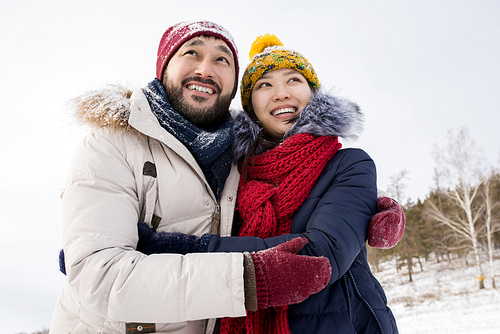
(334, 218)
(100, 210)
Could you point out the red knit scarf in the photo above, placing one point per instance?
(278, 183)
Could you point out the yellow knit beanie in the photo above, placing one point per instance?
(268, 54)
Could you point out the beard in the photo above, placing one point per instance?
(210, 117)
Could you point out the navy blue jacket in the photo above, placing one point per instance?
(334, 218)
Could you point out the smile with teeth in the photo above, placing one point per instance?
(201, 89)
(283, 111)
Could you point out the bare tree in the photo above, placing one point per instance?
(397, 186)
(489, 222)
(459, 163)
(396, 190)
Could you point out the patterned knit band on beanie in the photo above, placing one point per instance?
(267, 54)
(181, 32)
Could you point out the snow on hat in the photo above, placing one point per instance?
(181, 32)
(268, 54)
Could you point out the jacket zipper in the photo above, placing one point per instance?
(216, 218)
(349, 303)
(365, 302)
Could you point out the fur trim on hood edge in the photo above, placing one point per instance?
(109, 106)
(325, 115)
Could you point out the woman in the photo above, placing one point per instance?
(297, 182)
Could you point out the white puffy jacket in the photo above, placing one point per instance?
(129, 169)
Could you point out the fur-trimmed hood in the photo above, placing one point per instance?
(325, 115)
(106, 107)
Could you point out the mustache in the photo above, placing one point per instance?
(207, 81)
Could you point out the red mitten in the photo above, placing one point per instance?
(387, 225)
(284, 278)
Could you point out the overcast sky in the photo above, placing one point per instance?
(416, 68)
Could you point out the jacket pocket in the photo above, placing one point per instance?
(150, 192)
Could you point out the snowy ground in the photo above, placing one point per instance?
(444, 298)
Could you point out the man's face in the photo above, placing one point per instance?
(199, 80)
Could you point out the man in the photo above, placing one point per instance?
(161, 156)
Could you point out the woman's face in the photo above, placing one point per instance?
(277, 97)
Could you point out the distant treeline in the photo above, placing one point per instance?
(43, 331)
(460, 218)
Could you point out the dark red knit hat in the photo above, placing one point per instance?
(179, 33)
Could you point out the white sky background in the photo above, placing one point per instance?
(416, 68)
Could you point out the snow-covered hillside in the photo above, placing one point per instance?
(444, 298)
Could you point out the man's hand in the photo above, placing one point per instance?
(387, 225)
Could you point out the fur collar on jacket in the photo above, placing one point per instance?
(106, 107)
(325, 115)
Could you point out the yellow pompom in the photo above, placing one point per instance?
(262, 42)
